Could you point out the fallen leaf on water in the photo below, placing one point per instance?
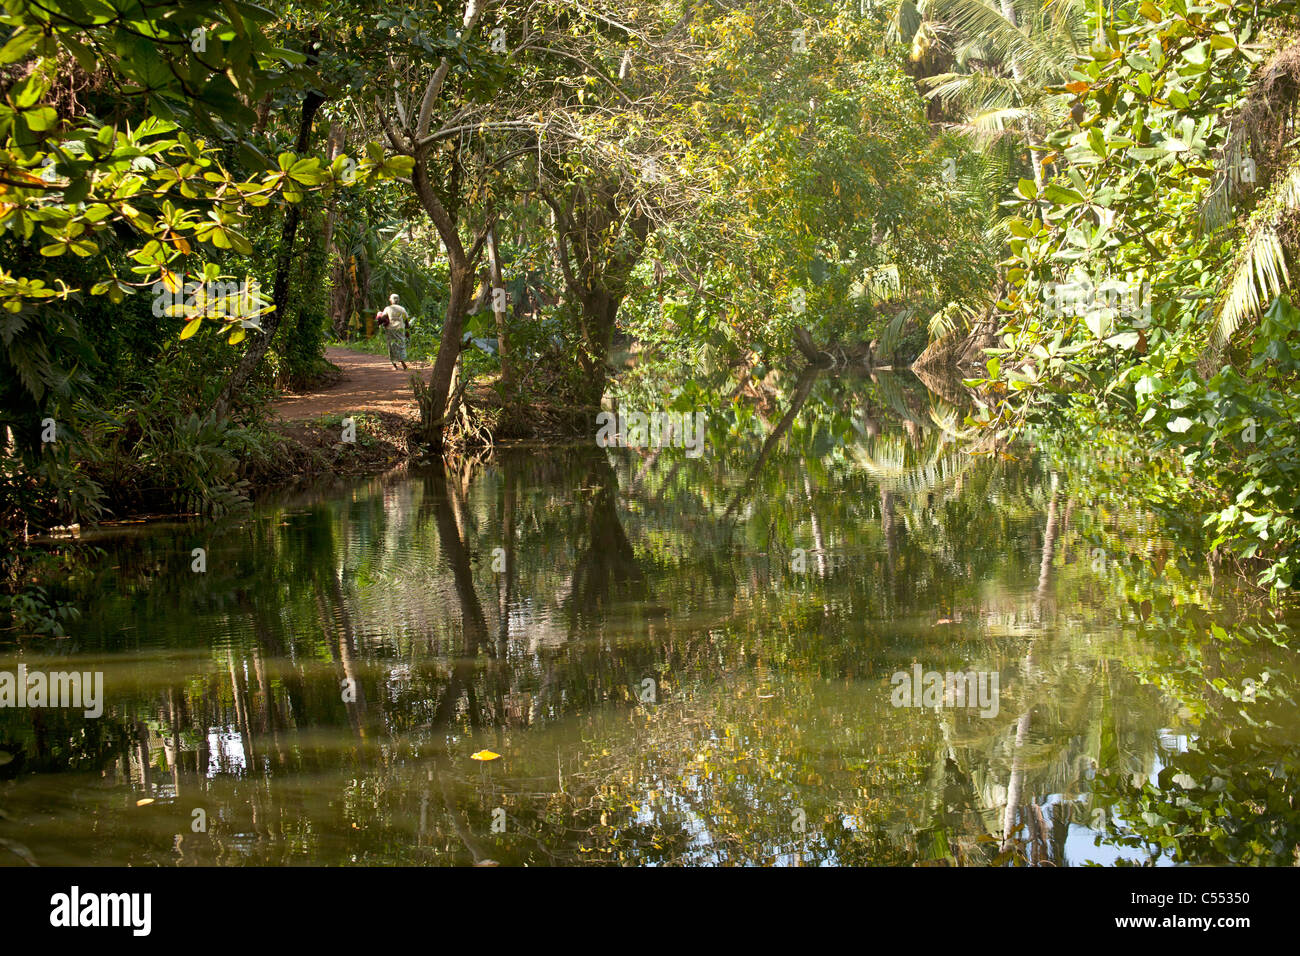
(484, 755)
(766, 696)
(487, 863)
(942, 620)
(145, 802)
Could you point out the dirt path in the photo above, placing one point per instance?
(369, 384)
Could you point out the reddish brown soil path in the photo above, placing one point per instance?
(369, 384)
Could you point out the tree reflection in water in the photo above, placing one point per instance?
(663, 682)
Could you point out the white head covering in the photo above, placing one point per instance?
(393, 298)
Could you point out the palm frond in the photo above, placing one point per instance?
(1261, 273)
(880, 283)
(999, 120)
(1038, 58)
(973, 91)
(899, 466)
(949, 421)
(891, 335)
(904, 23)
(1230, 180)
(949, 319)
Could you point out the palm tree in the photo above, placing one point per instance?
(1001, 56)
(1260, 270)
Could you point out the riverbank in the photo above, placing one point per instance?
(381, 404)
(361, 421)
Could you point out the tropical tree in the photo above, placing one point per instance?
(1128, 276)
(1000, 57)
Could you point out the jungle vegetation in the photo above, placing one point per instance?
(1085, 211)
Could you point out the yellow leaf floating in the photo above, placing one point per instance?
(145, 802)
(484, 755)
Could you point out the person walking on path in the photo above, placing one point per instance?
(395, 326)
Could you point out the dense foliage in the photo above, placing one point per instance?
(1147, 277)
(719, 186)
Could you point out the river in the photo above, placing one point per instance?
(745, 657)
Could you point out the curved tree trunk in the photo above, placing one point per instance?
(261, 342)
(312, 102)
(460, 288)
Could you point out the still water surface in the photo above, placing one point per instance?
(678, 660)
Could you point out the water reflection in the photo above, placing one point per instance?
(679, 661)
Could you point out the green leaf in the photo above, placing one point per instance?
(1061, 195)
(26, 93)
(399, 165)
(307, 172)
(19, 44)
(41, 119)
(1097, 141)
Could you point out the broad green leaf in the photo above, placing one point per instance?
(1061, 195)
(19, 44)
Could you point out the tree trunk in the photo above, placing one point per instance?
(599, 312)
(604, 249)
(803, 388)
(460, 288)
(284, 256)
(499, 309)
(1017, 74)
(335, 147)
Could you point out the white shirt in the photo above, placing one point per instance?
(397, 317)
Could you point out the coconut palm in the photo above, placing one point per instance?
(1000, 57)
(1255, 131)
